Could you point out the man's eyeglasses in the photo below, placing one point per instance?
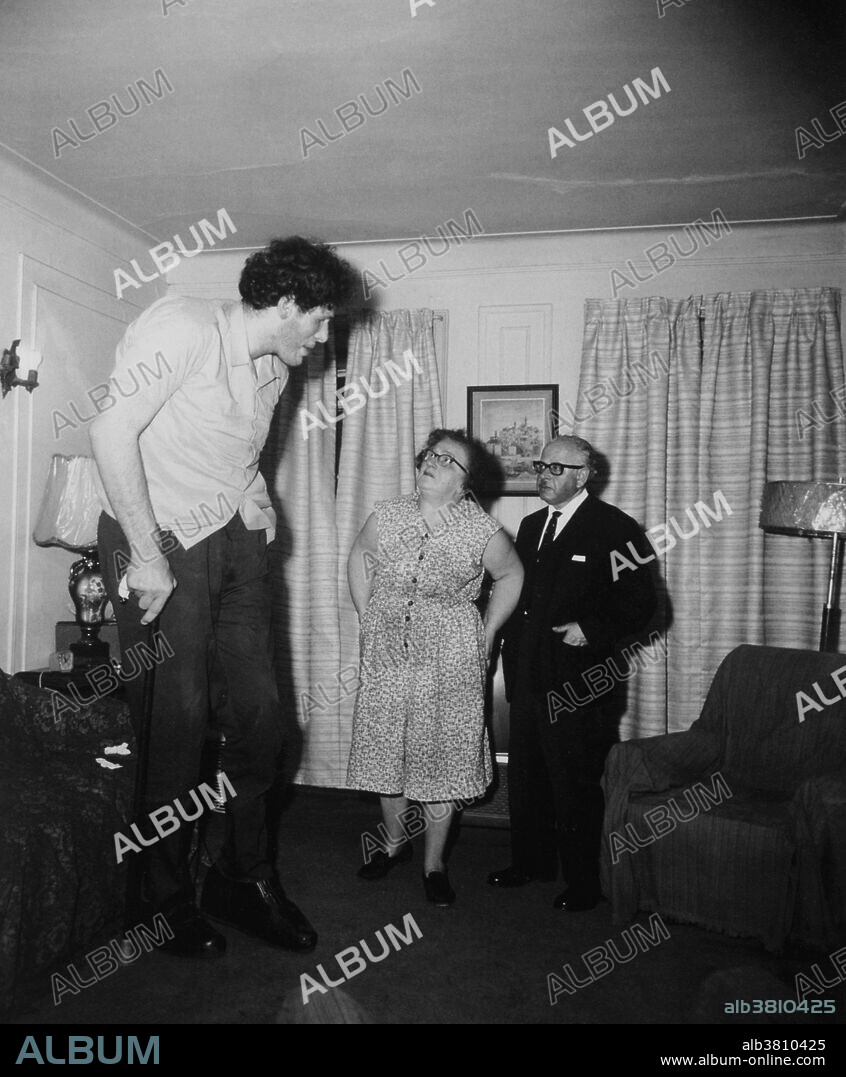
(442, 459)
(555, 467)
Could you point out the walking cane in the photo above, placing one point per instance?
(142, 756)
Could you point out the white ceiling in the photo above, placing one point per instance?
(248, 75)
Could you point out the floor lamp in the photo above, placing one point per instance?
(818, 510)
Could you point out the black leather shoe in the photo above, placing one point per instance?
(259, 908)
(509, 877)
(577, 900)
(193, 935)
(380, 863)
(437, 888)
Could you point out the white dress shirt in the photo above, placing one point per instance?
(566, 510)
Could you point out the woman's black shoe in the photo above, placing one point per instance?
(438, 890)
(380, 863)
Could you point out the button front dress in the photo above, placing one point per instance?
(418, 726)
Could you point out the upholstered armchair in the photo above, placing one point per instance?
(60, 884)
(739, 823)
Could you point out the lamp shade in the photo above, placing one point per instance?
(804, 508)
(71, 505)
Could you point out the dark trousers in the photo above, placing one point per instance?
(217, 624)
(554, 795)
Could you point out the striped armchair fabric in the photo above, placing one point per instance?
(739, 823)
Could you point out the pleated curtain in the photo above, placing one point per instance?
(378, 447)
(315, 626)
(300, 474)
(696, 403)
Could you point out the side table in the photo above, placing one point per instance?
(74, 686)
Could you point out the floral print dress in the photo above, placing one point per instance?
(418, 726)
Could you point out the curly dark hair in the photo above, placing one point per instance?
(306, 270)
(479, 463)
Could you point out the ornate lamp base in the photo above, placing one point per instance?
(89, 596)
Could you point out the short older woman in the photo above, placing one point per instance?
(415, 570)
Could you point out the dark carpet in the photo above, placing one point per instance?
(485, 960)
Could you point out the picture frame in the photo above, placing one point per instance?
(513, 422)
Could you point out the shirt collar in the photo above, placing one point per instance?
(568, 509)
(233, 333)
(232, 323)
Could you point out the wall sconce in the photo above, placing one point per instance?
(29, 360)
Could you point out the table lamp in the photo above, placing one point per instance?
(818, 510)
(68, 517)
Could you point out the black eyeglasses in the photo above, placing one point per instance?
(443, 459)
(555, 467)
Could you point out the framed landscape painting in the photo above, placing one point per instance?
(513, 422)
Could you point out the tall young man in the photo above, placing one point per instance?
(189, 519)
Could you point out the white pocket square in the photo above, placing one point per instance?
(578, 557)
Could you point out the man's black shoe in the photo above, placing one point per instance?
(577, 900)
(437, 889)
(380, 863)
(259, 908)
(193, 935)
(509, 877)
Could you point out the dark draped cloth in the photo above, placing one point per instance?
(60, 885)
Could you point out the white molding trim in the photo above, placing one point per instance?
(37, 280)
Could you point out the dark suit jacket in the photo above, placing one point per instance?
(573, 581)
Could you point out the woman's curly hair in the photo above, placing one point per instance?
(310, 272)
(482, 467)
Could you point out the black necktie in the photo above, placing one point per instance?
(549, 532)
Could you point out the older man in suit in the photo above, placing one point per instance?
(575, 607)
